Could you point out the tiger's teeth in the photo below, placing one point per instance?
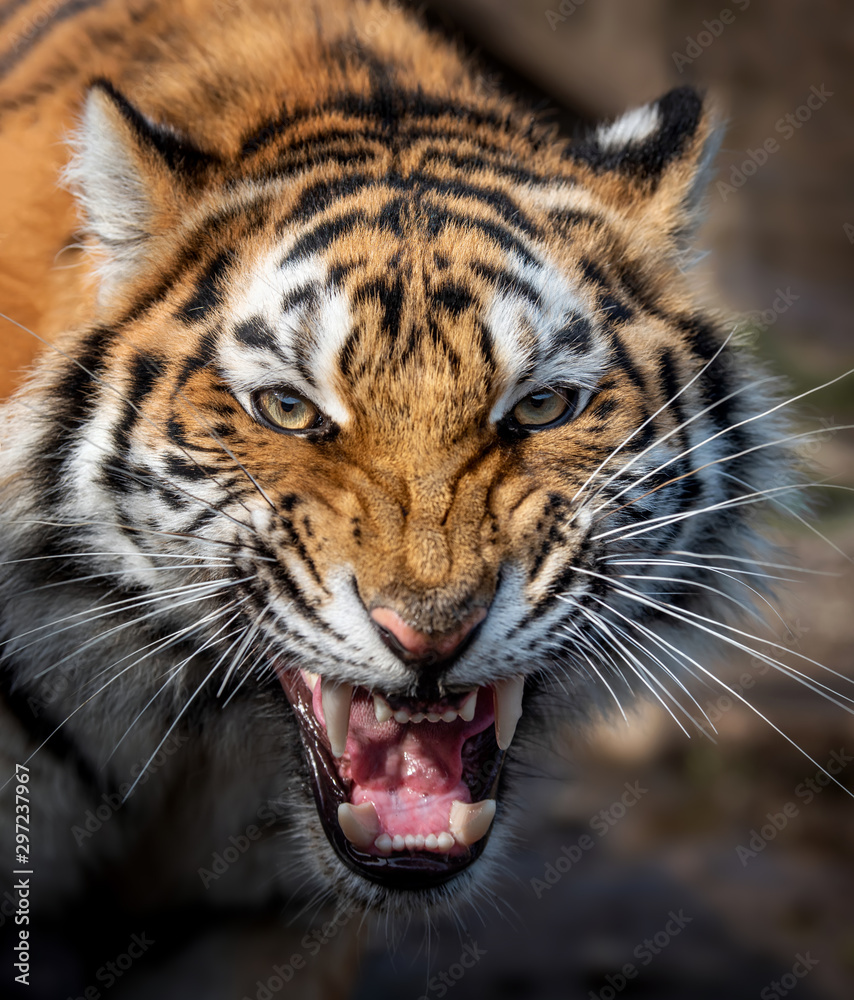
(335, 699)
(508, 709)
(469, 821)
(310, 679)
(401, 716)
(383, 843)
(468, 706)
(445, 841)
(359, 824)
(382, 709)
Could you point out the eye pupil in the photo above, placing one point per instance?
(541, 409)
(286, 411)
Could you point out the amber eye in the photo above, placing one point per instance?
(286, 410)
(541, 409)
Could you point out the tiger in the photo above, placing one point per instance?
(369, 415)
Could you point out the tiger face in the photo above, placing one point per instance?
(392, 413)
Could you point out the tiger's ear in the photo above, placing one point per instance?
(131, 176)
(655, 161)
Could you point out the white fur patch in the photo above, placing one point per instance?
(520, 329)
(630, 128)
(315, 332)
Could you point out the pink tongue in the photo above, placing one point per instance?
(411, 772)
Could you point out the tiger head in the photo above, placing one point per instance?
(422, 390)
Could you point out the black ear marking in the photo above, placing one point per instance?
(643, 142)
(181, 155)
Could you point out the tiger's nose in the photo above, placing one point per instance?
(423, 648)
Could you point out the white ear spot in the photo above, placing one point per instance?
(630, 128)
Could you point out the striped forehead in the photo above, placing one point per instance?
(290, 320)
(541, 335)
(287, 325)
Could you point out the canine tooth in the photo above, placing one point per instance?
(469, 821)
(382, 709)
(310, 679)
(418, 717)
(449, 716)
(401, 716)
(508, 709)
(383, 843)
(398, 843)
(445, 841)
(468, 706)
(360, 824)
(434, 717)
(335, 699)
(431, 841)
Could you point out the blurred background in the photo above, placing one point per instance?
(780, 228)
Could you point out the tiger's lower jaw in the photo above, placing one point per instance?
(405, 791)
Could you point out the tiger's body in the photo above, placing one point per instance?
(292, 426)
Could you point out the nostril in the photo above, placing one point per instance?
(412, 644)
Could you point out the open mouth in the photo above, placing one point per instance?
(405, 789)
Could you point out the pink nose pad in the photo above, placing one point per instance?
(420, 645)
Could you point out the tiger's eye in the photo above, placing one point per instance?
(287, 410)
(540, 409)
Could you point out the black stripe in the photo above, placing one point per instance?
(180, 154)
(453, 297)
(75, 397)
(143, 373)
(505, 282)
(9, 8)
(320, 195)
(208, 292)
(67, 10)
(414, 106)
(670, 385)
(622, 359)
(256, 333)
(204, 355)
